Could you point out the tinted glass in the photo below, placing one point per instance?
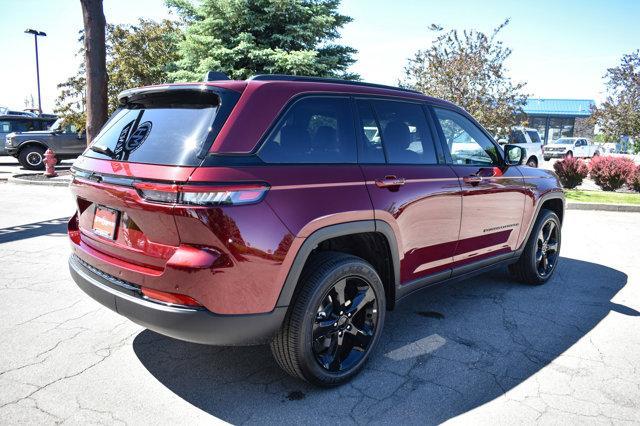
(22, 126)
(370, 149)
(535, 136)
(405, 133)
(163, 131)
(467, 144)
(517, 136)
(314, 130)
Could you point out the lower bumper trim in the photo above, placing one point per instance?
(191, 325)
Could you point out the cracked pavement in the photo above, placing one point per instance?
(485, 350)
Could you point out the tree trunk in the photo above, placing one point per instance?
(95, 61)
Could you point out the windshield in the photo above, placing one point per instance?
(167, 129)
(565, 141)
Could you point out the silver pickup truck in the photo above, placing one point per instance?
(29, 147)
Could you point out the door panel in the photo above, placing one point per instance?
(493, 195)
(424, 213)
(419, 198)
(492, 209)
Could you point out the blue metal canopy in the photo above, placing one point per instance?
(559, 107)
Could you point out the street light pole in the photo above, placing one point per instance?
(35, 38)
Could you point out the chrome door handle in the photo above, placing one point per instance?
(389, 182)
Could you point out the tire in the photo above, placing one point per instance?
(529, 267)
(568, 155)
(304, 357)
(532, 162)
(31, 156)
(595, 154)
(547, 158)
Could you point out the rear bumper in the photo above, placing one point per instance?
(189, 324)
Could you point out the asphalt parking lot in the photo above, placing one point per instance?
(486, 350)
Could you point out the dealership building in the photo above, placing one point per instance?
(555, 118)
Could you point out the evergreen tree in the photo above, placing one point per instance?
(246, 37)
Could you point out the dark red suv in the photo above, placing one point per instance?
(298, 211)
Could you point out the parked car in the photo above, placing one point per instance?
(298, 211)
(529, 139)
(29, 147)
(571, 147)
(20, 123)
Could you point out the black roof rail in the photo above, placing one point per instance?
(215, 76)
(284, 77)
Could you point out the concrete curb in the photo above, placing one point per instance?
(16, 179)
(604, 207)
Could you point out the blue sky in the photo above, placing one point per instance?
(560, 48)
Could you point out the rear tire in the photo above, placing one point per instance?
(539, 259)
(547, 158)
(31, 157)
(334, 322)
(568, 155)
(532, 162)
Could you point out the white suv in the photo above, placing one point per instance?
(530, 140)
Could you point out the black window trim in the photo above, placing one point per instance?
(468, 116)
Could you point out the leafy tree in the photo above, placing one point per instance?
(246, 37)
(137, 55)
(619, 115)
(469, 70)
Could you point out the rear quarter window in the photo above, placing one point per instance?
(313, 130)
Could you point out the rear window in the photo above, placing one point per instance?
(167, 129)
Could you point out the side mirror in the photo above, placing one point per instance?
(514, 155)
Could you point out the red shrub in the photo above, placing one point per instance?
(610, 173)
(634, 180)
(571, 172)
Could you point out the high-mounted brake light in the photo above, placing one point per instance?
(199, 195)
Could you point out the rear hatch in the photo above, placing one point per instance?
(125, 184)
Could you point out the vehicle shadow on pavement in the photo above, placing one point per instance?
(448, 350)
(35, 229)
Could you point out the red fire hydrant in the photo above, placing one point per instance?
(50, 161)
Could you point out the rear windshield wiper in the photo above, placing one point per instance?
(102, 150)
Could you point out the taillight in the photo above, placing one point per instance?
(170, 298)
(200, 195)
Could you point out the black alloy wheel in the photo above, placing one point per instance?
(345, 323)
(547, 248)
(541, 253)
(334, 320)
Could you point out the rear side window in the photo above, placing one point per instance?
(314, 130)
(405, 133)
(535, 137)
(517, 136)
(22, 125)
(164, 129)
(370, 149)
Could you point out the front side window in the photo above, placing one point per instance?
(22, 126)
(405, 133)
(467, 144)
(315, 130)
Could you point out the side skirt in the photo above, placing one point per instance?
(460, 273)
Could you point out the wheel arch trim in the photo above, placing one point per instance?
(338, 230)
